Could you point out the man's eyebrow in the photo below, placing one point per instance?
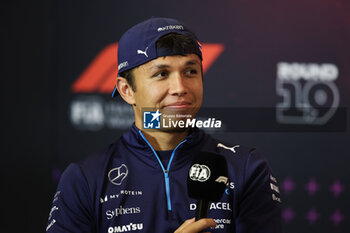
(160, 66)
(192, 62)
(164, 66)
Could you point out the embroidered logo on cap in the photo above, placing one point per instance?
(142, 52)
(170, 27)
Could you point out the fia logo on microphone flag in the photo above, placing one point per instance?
(199, 173)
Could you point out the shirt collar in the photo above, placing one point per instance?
(134, 139)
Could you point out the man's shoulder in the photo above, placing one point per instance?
(236, 154)
(99, 159)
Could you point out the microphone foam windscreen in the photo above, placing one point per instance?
(207, 177)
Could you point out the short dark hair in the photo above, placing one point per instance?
(175, 43)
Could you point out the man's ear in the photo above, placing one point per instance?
(125, 90)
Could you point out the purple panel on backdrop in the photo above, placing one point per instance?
(337, 217)
(288, 185)
(312, 187)
(288, 214)
(312, 216)
(336, 188)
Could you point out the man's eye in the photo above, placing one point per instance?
(161, 74)
(192, 71)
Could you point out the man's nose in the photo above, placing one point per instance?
(177, 85)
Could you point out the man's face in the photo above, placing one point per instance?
(172, 84)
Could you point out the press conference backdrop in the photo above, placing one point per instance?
(277, 71)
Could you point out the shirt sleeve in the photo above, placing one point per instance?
(259, 202)
(71, 207)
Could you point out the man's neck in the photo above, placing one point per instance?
(165, 140)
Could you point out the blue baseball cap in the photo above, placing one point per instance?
(138, 45)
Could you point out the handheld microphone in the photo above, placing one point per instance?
(206, 181)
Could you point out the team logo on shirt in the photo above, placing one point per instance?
(118, 174)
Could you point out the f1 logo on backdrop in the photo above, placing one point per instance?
(309, 93)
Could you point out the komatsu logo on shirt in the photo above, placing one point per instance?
(126, 228)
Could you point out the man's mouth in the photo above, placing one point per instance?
(178, 105)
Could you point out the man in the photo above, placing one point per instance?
(139, 182)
